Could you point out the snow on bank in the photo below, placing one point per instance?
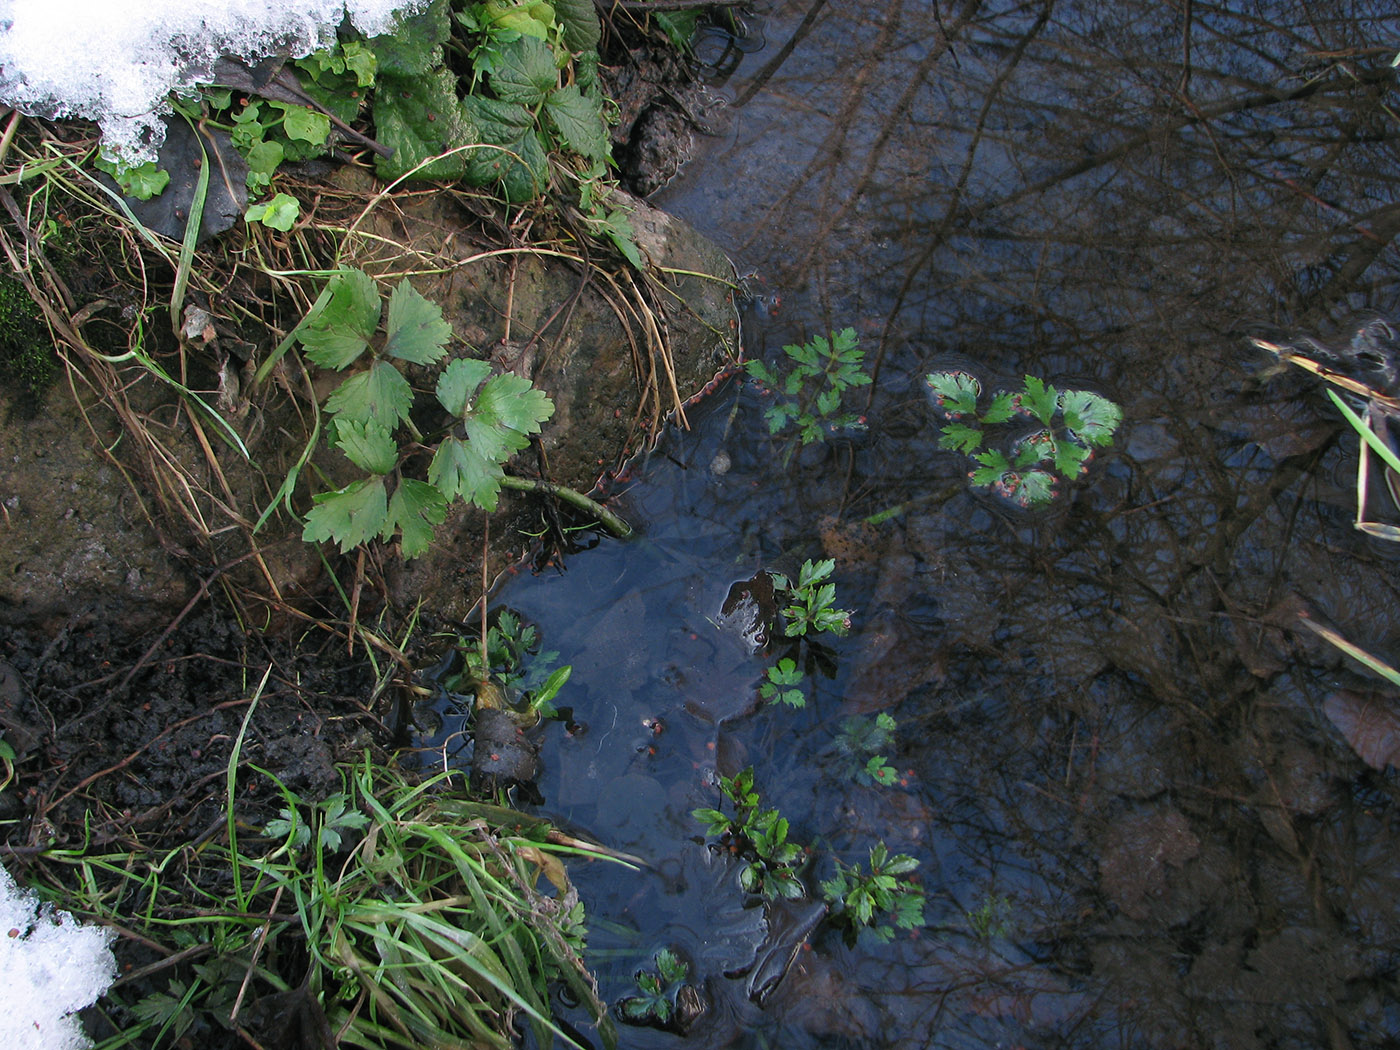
(114, 61)
(50, 967)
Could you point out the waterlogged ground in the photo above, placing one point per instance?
(1138, 826)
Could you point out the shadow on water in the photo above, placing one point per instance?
(1136, 824)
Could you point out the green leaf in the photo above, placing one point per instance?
(533, 18)
(280, 213)
(303, 124)
(1035, 489)
(368, 445)
(350, 516)
(954, 393)
(1090, 417)
(414, 45)
(1002, 408)
(263, 161)
(414, 509)
(618, 228)
(459, 469)
(579, 121)
(1039, 400)
(420, 118)
(458, 383)
(525, 73)
(1070, 458)
(579, 18)
(960, 437)
(416, 329)
(341, 331)
(512, 156)
(993, 467)
(141, 182)
(509, 400)
(380, 394)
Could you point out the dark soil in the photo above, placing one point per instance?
(128, 738)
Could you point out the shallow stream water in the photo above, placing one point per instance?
(1136, 823)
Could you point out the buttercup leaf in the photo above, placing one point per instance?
(342, 331)
(368, 445)
(1090, 417)
(416, 329)
(414, 509)
(457, 385)
(459, 469)
(349, 516)
(380, 395)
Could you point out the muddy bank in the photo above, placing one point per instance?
(129, 513)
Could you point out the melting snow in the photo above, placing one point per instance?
(51, 966)
(114, 61)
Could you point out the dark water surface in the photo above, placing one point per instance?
(1110, 727)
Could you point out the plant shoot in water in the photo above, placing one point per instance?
(809, 394)
(887, 891)
(813, 600)
(861, 746)
(1072, 423)
(656, 990)
(784, 684)
(759, 835)
(515, 663)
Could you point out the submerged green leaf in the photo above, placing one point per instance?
(1091, 417)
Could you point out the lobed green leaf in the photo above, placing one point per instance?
(416, 329)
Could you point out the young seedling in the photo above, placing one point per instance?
(859, 899)
(860, 745)
(1071, 424)
(812, 597)
(655, 1000)
(515, 663)
(760, 836)
(784, 684)
(809, 393)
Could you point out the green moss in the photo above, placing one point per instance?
(28, 363)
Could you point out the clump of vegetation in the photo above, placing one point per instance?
(391, 914)
(991, 919)
(881, 900)
(810, 389)
(511, 659)
(812, 598)
(759, 836)
(1072, 423)
(655, 1001)
(861, 745)
(485, 93)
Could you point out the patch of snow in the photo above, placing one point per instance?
(114, 61)
(51, 966)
